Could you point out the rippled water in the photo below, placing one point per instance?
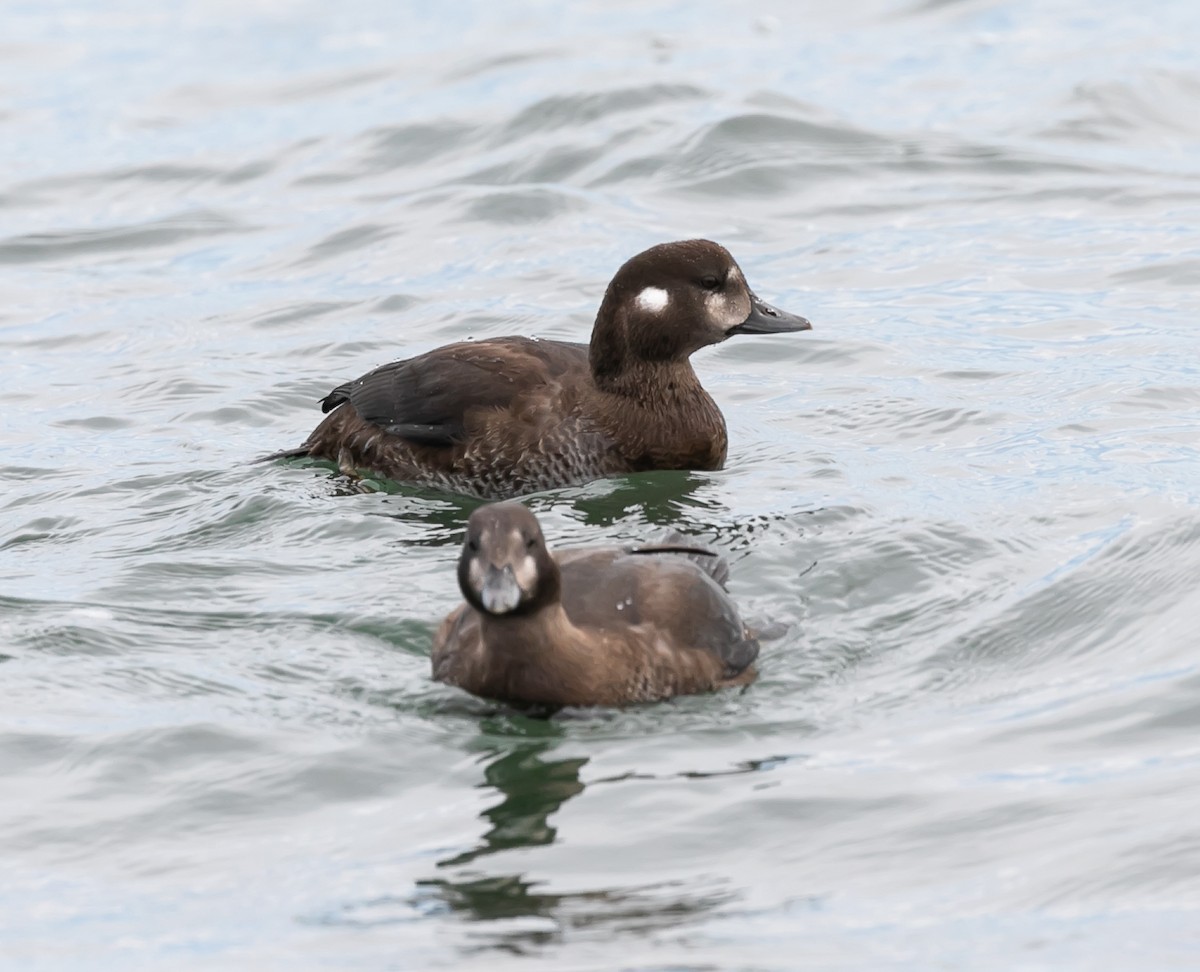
(972, 494)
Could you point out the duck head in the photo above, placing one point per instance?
(673, 299)
(505, 568)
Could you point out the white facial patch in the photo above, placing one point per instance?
(475, 573)
(727, 310)
(653, 300)
(527, 573)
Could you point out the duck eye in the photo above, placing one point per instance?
(710, 282)
(473, 545)
(530, 543)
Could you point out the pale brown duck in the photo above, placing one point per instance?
(595, 626)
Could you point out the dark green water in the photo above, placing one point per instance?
(971, 494)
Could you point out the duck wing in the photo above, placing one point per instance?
(671, 589)
(709, 561)
(428, 399)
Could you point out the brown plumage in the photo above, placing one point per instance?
(514, 415)
(587, 627)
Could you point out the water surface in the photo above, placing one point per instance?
(970, 494)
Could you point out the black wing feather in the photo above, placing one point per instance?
(709, 561)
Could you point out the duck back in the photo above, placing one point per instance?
(670, 594)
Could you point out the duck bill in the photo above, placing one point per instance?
(500, 593)
(765, 319)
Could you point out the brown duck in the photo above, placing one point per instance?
(514, 415)
(590, 626)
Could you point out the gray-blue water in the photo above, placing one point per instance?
(972, 494)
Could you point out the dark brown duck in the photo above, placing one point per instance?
(590, 626)
(514, 415)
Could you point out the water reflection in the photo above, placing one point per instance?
(664, 497)
(533, 787)
(527, 921)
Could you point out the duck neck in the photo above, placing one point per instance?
(540, 657)
(662, 417)
(636, 357)
(532, 634)
(654, 384)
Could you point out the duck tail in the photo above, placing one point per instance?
(299, 452)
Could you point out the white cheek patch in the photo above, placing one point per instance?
(475, 573)
(527, 573)
(653, 300)
(725, 310)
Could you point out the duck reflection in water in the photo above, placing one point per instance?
(533, 788)
(432, 519)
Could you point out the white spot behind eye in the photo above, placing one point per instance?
(653, 299)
